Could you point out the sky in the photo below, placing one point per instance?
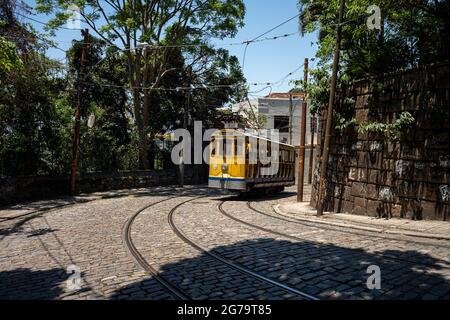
(265, 62)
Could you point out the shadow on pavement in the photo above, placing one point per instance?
(26, 284)
(18, 222)
(322, 270)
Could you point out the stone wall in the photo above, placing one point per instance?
(407, 177)
(13, 190)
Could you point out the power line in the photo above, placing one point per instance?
(247, 43)
(274, 28)
(202, 86)
(48, 42)
(45, 24)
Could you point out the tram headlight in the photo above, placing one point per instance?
(224, 168)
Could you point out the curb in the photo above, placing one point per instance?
(358, 227)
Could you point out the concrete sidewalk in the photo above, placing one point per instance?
(424, 229)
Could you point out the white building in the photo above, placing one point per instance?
(281, 113)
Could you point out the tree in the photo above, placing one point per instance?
(413, 33)
(34, 116)
(159, 24)
(106, 145)
(9, 58)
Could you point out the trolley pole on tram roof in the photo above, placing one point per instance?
(77, 124)
(329, 121)
(301, 162)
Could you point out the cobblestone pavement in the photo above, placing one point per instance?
(326, 262)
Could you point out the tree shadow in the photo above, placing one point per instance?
(323, 270)
(41, 232)
(27, 284)
(39, 209)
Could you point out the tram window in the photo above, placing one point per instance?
(218, 147)
(228, 144)
(213, 146)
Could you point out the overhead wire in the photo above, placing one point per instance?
(44, 23)
(256, 39)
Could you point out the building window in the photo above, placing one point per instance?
(282, 123)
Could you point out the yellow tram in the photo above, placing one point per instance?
(239, 162)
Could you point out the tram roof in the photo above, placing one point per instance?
(251, 136)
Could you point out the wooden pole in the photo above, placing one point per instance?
(329, 120)
(77, 124)
(311, 156)
(301, 162)
(291, 116)
(186, 125)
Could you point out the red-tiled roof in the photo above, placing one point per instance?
(282, 95)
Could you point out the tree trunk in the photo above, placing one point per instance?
(147, 106)
(137, 104)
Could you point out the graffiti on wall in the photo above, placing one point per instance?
(444, 161)
(357, 174)
(402, 168)
(386, 194)
(445, 192)
(376, 146)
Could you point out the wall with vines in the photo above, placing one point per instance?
(390, 152)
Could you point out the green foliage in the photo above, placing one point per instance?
(391, 131)
(34, 121)
(317, 89)
(163, 24)
(9, 58)
(37, 100)
(413, 33)
(105, 146)
(342, 123)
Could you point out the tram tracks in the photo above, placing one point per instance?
(128, 241)
(446, 265)
(348, 229)
(173, 288)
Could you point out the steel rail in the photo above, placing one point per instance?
(296, 238)
(229, 263)
(314, 224)
(128, 241)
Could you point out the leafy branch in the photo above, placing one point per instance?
(392, 131)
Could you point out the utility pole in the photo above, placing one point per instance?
(77, 124)
(311, 156)
(329, 121)
(186, 123)
(291, 116)
(301, 162)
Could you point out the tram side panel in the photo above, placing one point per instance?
(235, 168)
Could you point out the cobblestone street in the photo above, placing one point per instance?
(194, 243)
